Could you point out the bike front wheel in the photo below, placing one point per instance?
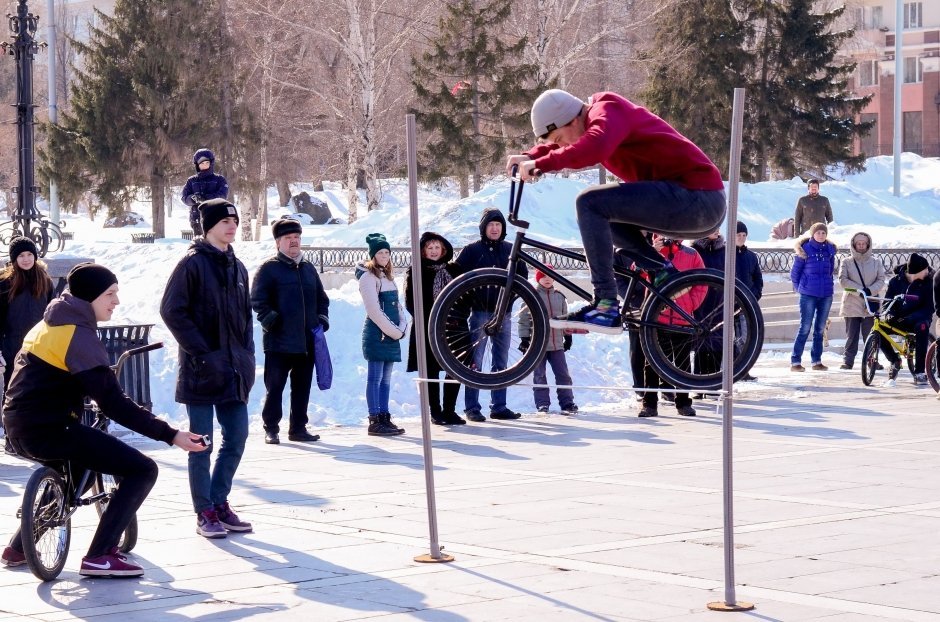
(870, 357)
(468, 342)
(682, 330)
(45, 524)
(105, 483)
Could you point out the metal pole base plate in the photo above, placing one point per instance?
(723, 606)
(427, 559)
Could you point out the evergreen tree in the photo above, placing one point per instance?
(799, 116)
(146, 96)
(473, 93)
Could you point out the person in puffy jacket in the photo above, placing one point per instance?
(204, 185)
(861, 270)
(207, 309)
(914, 314)
(290, 301)
(63, 360)
(811, 276)
(382, 331)
(437, 270)
(559, 342)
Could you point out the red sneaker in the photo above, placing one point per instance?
(113, 564)
(11, 557)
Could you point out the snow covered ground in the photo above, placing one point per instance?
(860, 202)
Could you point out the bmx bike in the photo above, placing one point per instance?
(680, 322)
(56, 490)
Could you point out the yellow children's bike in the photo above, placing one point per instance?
(899, 339)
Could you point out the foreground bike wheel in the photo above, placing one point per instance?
(467, 345)
(107, 483)
(930, 366)
(45, 529)
(682, 330)
(870, 353)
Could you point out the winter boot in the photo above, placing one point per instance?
(436, 416)
(387, 420)
(378, 428)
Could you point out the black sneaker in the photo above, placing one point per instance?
(686, 411)
(475, 416)
(452, 418)
(570, 409)
(542, 409)
(271, 438)
(920, 379)
(505, 415)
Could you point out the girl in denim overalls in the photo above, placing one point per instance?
(384, 328)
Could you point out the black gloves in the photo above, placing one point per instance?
(867, 291)
(567, 342)
(524, 345)
(324, 322)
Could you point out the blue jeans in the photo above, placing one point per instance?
(499, 354)
(209, 491)
(378, 386)
(811, 307)
(613, 215)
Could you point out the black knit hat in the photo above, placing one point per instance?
(742, 228)
(22, 245)
(376, 242)
(88, 281)
(284, 226)
(214, 210)
(916, 263)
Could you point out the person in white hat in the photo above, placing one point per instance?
(668, 185)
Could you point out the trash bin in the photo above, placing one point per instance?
(135, 375)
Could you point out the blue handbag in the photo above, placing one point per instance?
(321, 359)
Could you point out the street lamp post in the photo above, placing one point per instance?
(23, 27)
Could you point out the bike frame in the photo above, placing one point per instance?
(905, 349)
(518, 254)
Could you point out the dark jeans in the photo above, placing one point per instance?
(211, 490)
(921, 330)
(555, 358)
(814, 311)
(612, 215)
(378, 386)
(500, 356)
(854, 326)
(87, 448)
(644, 376)
(277, 367)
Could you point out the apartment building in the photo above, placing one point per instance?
(873, 50)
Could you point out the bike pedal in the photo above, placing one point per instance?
(19, 513)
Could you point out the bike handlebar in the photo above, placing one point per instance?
(133, 352)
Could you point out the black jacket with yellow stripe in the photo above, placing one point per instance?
(61, 361)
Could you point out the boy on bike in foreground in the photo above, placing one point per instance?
(669, 186)
(62, 361)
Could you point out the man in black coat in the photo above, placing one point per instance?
(491, 251)
(913, 314)
(206, 308)
(290, 302)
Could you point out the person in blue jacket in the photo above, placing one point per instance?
(204, 185)
(812, 276)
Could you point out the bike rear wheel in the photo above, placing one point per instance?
(682, 330)
(469, 347)
(45, 526)
(105, 483)
(870, 352)
(930, 366)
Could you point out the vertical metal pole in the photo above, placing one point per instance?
(727, 356)
(420, 332)
(53, 100)
(898, 82)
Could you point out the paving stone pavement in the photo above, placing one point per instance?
(602, 516)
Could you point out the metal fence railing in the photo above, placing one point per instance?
(771, 259)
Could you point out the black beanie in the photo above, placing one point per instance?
(742, 228)
(22, 245)
(916, 263)
(88, 281)
(214, 210)
(284, 226)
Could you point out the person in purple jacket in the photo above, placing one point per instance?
(811, 276)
